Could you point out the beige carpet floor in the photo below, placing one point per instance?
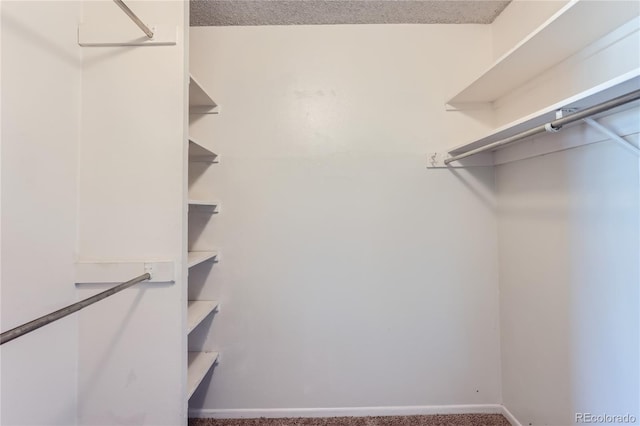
(435, 420)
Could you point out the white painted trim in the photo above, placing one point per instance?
(89, 272)
(510, 417)
(107, 34)
(412, 410)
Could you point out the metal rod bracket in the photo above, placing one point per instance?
(438, 160)
(549, 128)
(612, 135)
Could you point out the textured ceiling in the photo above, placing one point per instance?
(315, 12)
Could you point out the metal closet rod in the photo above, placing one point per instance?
(552, 126)
(30, 326)
(134, 18)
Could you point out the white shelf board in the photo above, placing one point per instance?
(572, 28)
(203, 203)
(204, 206)
(199, 99)
(196, 257)
(197, 311)
(199, 364)
(619, 86)
(197, 152)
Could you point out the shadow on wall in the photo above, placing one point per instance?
(92, 380)
(604, 277)
(480, 186)
(569, 247)
(34, 36)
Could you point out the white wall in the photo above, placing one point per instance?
(132, 204)
(350, 276)
(569, 244)
(41, 71)
(568, 225)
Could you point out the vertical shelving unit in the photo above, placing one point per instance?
(199, 362)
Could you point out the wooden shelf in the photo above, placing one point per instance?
(198, 153)
(604, 92)
(197, 311)
(572, 28)
(196, 257)
(199, 365)
(199, 100)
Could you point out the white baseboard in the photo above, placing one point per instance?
(510, 417)
(413, 410)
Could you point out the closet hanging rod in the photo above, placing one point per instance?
(30, 326)
(552, 126)
(134, 18)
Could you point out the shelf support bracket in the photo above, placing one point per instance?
(612, 135)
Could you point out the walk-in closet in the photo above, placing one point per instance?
(320, 212)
